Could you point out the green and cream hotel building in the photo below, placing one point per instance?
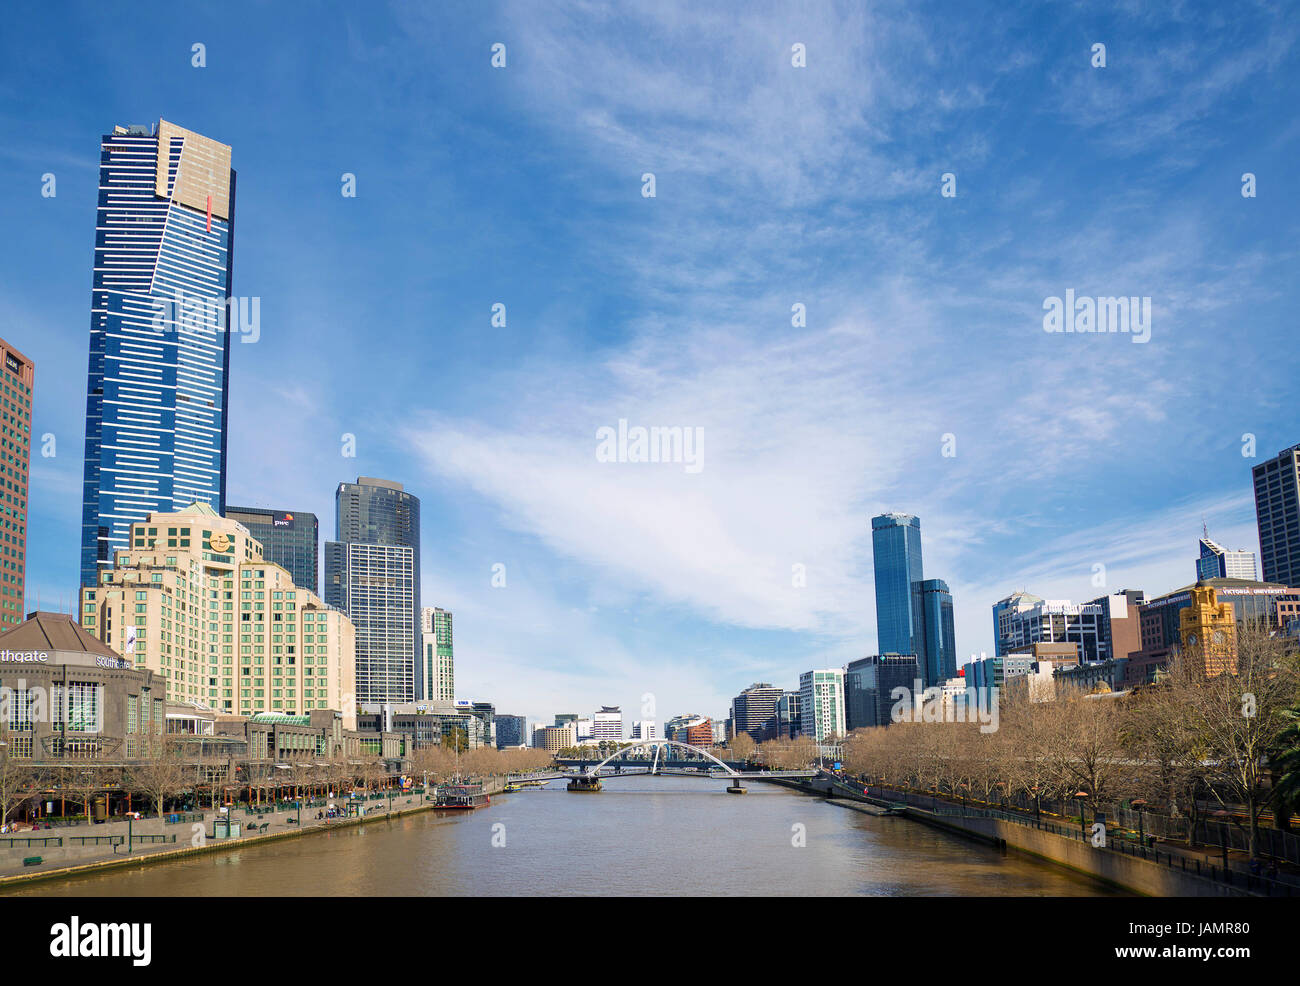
(194, 601)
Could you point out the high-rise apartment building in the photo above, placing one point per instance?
(192, 599)
(160, 325)
(1277, 511)
(896, 552)
(643, 729)
(290, 538)
(753, 711)
(437, 655)
(372, 573)
(18, 378)
(821, 704)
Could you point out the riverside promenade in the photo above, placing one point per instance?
(1166, 871)
(85, 848)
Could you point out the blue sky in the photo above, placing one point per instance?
(775, 185)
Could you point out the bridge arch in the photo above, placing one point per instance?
(650, 744)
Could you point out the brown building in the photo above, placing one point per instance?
(17, 377)
(64, 694)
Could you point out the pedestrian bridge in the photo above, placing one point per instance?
(689, 761)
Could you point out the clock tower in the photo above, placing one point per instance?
(1208, 629)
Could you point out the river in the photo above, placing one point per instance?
(641, 836)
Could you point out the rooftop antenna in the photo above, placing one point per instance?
(1205, 531)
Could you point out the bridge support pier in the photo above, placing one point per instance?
(736, 788)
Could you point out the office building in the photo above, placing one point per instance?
(1277, 512)
(691, 729)
(437, 654)
(607, 724)
(643, 729)
(994, 672)
(18, 378)
(512, 731)
(68, 695)
(938, 655)
(787, 716)
(1003, 612)
(192, 600)
(1058, 621)
(157, 385)
(372, 573)
(1220, 563)
(1120, 627)
(486, 713)
(290, 538)
(821, 704)
(896, 552)
(753, 711)
(869, 684)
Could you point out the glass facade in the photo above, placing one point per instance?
(291, 539)
(157, 387)
(372, 573)
(938, 641)
(896, 550)
(1277, 512)
(868, 687)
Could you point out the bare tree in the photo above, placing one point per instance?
(1240, 716)
(161, 771)
(19, 777)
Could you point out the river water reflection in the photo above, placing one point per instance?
(640, 836)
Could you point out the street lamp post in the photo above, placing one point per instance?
(1079, 797)
(1139, 804)
(1038, 818)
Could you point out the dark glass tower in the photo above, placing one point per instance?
(157, 387)
(896, 550)
(372, 573)
(938, 657)
(290, 538)
(1277, 511)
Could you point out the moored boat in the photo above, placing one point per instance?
(460, 797)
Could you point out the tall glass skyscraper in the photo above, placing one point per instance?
(372, 573)
(157, 388)
(896, 551)
(938, 658)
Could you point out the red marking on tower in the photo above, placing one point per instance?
(209, 213)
